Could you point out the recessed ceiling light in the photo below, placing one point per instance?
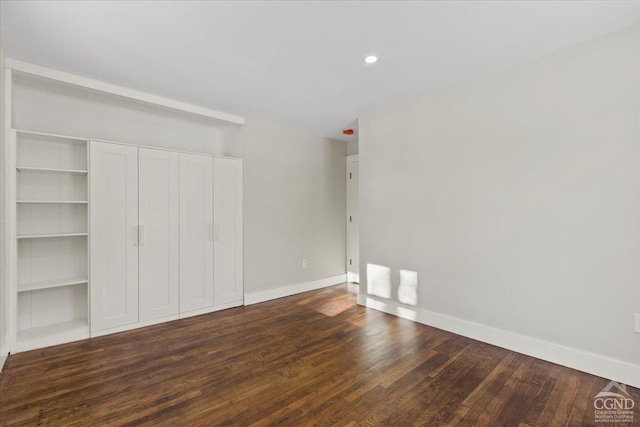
(371, 59)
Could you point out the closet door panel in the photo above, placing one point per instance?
(228, 280)
(113, 235)
(159, 231)
(196, 229)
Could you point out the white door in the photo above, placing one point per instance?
(227, 208)
(353, 219)
(159, 231)
(113, 235)
(196, 232)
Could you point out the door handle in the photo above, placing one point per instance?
(141, 234)
(217, 231)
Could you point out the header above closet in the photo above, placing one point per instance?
(24, 68)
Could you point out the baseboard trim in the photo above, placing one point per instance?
(4, 354)
(602, 366)
(132, 326)
(170, 318)
(210, 309)
(285, 291)
(76, 334)
(3, 359)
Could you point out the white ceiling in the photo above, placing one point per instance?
(297, 63)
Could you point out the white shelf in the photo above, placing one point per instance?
(39, 236)
(49, 136)
(56, 328)
(52, 284)
(54, 334)
(29, 169)
(54, 201)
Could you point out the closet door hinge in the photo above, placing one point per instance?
(350, 262)
(349, 175)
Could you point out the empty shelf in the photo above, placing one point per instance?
(57, 333)
(39, 236)
(52, 284)
(29, 169)
(54, 201)
(50, 137)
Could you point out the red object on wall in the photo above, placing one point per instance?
(348, 131)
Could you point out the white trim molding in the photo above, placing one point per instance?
(164, 319)
(351, 276)
(208, 310)
(8, 207)
(591, 363)
(285, 291)
(26, 68)
(132, 326)
(73, 334)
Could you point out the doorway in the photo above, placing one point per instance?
(353, 219)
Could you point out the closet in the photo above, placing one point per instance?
(210, 234)
(135, 226)
(166, 235)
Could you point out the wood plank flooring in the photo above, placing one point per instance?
(311, 359)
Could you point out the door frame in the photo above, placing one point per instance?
(351, 277)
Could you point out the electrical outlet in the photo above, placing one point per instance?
(304, 263)
(637, 323)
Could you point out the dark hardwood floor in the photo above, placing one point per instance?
(311, 359)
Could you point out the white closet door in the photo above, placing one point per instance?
(228, 282)
(158, 233)
(196, 232)
(114, 220)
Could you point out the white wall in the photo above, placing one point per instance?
(352, 147)
(516, 198)
(52, 108)
(294, 204)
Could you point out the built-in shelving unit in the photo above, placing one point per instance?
(48, 209)
(52, 212)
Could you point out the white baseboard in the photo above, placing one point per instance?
(4, 354)
(210, 309)
(144, 324)
(131, 326)
(285, 291)
(617, 370)
(71, 335)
